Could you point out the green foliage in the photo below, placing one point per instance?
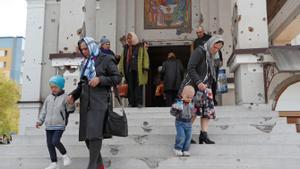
(9, 111)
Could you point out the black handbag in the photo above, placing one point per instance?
(117, 124)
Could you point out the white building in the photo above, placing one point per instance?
(55, 26)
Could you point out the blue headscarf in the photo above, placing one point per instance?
(88, 65)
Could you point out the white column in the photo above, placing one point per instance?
(33, 63)
(107, 22)
(90, 18)
(130, 19)
(71, 19)
(250, 31)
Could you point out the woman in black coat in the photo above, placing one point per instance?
(201, 74)
(98, 74)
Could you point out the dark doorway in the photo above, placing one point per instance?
(158, 54)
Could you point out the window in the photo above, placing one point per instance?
(2, 64)
(2, 53)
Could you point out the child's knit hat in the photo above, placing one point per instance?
(58, 81)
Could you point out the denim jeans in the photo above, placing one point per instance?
(183, 135)
(53, 140)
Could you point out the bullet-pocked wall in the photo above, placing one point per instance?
(214, 15)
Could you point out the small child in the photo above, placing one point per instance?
(183, 110)
(54, 114)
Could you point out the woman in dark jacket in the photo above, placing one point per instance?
(98, 74)
(172, 75)
(201, 74)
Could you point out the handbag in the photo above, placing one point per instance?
(122, 89)
(222, 86)
(117, 124)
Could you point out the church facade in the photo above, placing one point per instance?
(55, 26)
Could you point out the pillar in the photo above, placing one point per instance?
(90, 18)
(30, 100)
(250, 31)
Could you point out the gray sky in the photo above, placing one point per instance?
(13, 17)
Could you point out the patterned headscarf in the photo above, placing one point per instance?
(88, 65)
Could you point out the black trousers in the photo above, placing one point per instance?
(94, 147)
(135, 91)
(53, 140)
(171, 95)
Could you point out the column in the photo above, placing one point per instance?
(30, 100)
(250, 31)
(90, 18)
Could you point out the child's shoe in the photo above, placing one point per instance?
(66, 160)
(178, 152)
(186, 153)
(53, 166)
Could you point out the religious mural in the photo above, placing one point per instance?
(167, 14)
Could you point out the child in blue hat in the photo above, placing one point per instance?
(54, 114)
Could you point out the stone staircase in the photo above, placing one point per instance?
(247, 137)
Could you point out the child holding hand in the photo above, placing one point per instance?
(54, 114)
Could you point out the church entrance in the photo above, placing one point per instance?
(157, 55)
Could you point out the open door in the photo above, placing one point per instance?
(157, 55)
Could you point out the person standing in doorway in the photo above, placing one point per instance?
(134, 65)
(201, 74)
(99, 73)
(172, 75)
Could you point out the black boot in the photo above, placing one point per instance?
(203, 138)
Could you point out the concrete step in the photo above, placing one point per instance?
(167, 121)
(230, 108)
(193, 162)
(226, 139)
(165, 112)
(214, 129)
(160, 150)
(247, 137)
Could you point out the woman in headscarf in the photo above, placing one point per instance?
(201, 74)
(134, 65)
(99, 73)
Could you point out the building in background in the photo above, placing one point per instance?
(11, 56)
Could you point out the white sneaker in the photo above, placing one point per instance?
(178, 152)
(53, 166)
(186, 153)
(66, 160)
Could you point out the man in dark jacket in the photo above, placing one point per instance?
(172, 75)
(202, 37)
